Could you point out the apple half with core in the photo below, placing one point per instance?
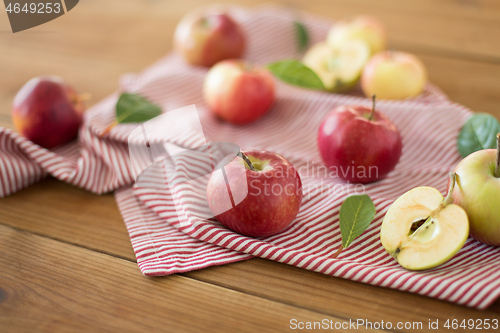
(393, 75)
(422, 230)
(340, 67)
(273, 193)
(205, 38)
(478, 192)
(238, 92)
(48, 111)
(359, 144)
(366, 28)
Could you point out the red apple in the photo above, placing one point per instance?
(238, 92)
(264, 201)
(48, 111)
(207, 38)
(359, 144)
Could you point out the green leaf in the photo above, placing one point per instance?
(302, 35)
(478, 133)
(296, 73)
(356, 214)
(133, 108)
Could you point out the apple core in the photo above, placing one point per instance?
(422, 230)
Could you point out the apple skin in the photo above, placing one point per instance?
(274, 194)
(433, 245)
(348, 140)
(320, 56)
(204, 39)
(478, 192)
(48, 111)
(366, 28)
(393, 75)
(237, 92)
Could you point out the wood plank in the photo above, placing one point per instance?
(58, 210)
(263, 278)
(92, 59)
(49, 286)
(471, 83)
(466, 28)
(98, 41)
(336, 296)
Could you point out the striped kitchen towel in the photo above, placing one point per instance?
(168, 240)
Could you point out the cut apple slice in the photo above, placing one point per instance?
(422, 230)
(338, 67)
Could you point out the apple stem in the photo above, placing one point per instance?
(248, 67)
(247, 161)
(391, 54)
(204, 22)
(449, 197)
(338, 252)
(372, 113)
(497, 167)
(84, 97)
(108, 129)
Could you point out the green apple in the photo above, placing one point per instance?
(422, 230)
(394, 75)
(339, 68)
(478, 192)
(366, 28)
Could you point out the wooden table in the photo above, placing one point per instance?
(66, 262)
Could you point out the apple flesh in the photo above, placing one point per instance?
(478, 192)
(393, 75)
(358, 145)
(422, 230)
(237, 92)
(368, 29)
(48, 111)
(340, 67)
(204, 39)
(272, 194)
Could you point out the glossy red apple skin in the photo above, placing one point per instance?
(204, 39)
(348, 141)
(48, 111)
(238, 92)
(265, 210)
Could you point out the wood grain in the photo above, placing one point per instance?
(98, 41)
(49, 286)
(259, 277)
(470, 83)
(465, 29)
(46, 285)
(64, 212)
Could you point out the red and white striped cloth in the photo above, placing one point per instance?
(166, 242)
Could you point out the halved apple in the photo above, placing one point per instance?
(422, 230)
(338, 67)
